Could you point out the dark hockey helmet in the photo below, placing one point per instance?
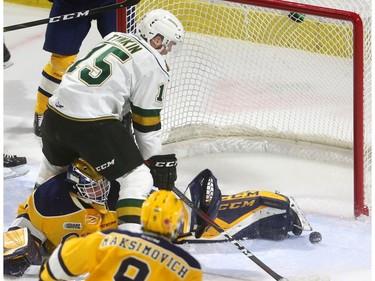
(88, 183)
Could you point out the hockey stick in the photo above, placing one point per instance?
(240, 247)
(126, 3)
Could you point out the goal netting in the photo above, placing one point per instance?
(291, 77)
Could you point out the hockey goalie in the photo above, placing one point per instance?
(42, 224)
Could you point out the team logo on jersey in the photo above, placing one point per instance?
(72, 225)
(58, 105)
(93, 219)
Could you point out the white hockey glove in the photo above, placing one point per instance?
(20, 251)
(163, 170)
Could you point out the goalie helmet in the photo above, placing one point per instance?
(162, 213)
(88, 183)
(163, 23)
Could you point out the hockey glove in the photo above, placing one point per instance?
(20, 251)
(206, 195)
(15, 267)
(163, 170)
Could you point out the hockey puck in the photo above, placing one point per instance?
(315, 237)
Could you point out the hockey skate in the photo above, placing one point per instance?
(14, 166)
(38, 118)
(7, 61)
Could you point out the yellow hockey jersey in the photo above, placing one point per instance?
(121, 255)
(53, 214)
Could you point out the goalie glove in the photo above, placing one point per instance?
(206, 195)
(163, 170)
(20, 251)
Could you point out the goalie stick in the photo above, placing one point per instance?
(86, 13)
(240, 247)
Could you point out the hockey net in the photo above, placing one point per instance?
(247, 71)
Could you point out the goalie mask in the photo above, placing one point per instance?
(162, 213)
(89, 184)
(163, 23)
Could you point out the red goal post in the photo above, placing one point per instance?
(358, 79)
(247, 70)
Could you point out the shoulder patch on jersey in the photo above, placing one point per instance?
(72, 226)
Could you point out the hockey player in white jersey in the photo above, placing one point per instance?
(123, 73)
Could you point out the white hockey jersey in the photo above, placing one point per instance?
(120, 74)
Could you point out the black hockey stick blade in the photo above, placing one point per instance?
(126, 3)
(240, 247)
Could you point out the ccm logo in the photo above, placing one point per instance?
(166, 164)
(70, 16)
(105, 165)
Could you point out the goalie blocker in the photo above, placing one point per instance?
(245, 215)
(20, 251)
